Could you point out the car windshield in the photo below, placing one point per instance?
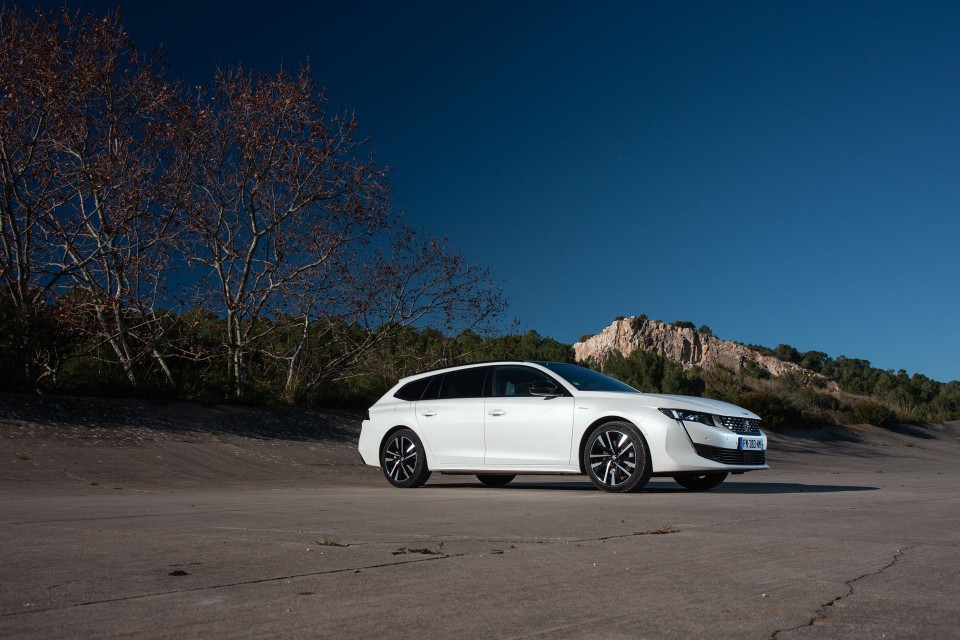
(587, 379)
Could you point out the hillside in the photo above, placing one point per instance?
(782, 384)
(684, 345)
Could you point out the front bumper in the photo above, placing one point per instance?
(693, 447)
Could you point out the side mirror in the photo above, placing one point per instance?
(544, 389)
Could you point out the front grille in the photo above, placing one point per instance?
(743, 426)
(731, 456)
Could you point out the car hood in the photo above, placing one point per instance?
(664, 401)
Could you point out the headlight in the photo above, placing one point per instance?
(689, 416)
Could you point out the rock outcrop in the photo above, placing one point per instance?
(687, 346)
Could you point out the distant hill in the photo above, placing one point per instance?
(782, 384)
(685, 345)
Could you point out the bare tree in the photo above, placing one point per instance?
(116, 228)
(299, 246)
(277, 195)
(29, 62)
(265, 204)
(410, 280)
(86, 198)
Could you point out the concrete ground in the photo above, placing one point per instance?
(228, 533)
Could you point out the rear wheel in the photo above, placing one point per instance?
(699, 481)
(403, 461)
(616, 458)
(495, 480)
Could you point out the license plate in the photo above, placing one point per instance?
(751, 444)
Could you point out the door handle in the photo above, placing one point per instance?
(497, 412)
(429, 414)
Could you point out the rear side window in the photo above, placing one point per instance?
(433, 388)
(466, 383)
(412, 390)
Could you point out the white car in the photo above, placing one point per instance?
(500, 419)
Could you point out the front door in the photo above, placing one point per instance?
(522, 430)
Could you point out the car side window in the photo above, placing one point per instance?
(433, 388)
(466, 383)
(412, 391)
(514, 381)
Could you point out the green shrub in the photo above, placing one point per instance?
(870, 412)
(775, 410)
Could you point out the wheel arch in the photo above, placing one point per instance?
(593, 425)
(399, 427)
(392, 430)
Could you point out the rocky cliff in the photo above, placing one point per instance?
(687, 346)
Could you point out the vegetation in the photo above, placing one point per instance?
(87, 367)
(653, 373)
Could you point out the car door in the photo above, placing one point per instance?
(523, 430)
(450, 417)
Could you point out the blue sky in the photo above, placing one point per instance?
(785, 172)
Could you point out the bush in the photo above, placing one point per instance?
(775, 410)
(754, 370)
(787, 353)
(869, 412)
(791, 381)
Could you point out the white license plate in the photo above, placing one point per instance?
(751, 444)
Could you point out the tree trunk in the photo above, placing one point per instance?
(290, 388)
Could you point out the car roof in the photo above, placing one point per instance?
(469, 365)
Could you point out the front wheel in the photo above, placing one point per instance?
(403, 461)
(699, 481)
(495, 480)
(616, 458)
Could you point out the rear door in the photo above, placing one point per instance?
(451, 417)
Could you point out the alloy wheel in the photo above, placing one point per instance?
(613, 458)
(400, 459)
(403, 460)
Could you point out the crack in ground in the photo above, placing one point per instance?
(231, 584)
(441, 556)
(502, 540)
(821, 613)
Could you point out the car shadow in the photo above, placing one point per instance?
(755, 488)
(760, 488)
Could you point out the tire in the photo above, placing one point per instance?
(495, 480)
(616, 458)
(403, 460)
(699, 481)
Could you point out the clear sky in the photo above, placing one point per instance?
(785, 172)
